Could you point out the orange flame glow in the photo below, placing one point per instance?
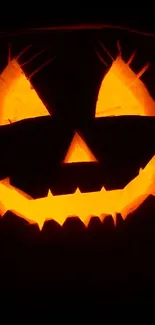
(18, 99)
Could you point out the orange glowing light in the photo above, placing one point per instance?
(79, 151)
(123, 93)
(18, 99)
(83, 205)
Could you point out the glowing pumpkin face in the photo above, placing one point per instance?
(96, 172)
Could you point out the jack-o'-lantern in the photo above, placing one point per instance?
(85, 180)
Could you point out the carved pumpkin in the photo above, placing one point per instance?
(85, 179)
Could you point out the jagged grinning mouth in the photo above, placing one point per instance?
(83, 205)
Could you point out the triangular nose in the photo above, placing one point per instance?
(78, 151)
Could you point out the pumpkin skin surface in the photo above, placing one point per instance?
(34, 163)
(99, 261)
(38, 146)
(38, 155)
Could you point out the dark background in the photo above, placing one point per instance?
(71, 267)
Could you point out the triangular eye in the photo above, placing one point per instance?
(78, 151)
(18, 99)
(123, 93)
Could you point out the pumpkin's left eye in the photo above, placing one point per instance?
(123, 93)
(18, 99)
